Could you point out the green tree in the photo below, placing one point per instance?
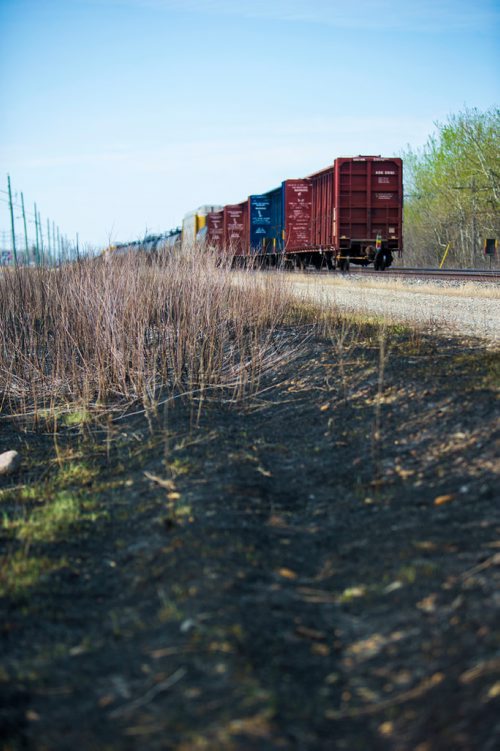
(453, 189)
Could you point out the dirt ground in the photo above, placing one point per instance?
(317, 569)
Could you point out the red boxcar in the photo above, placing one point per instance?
(297, 202)
(357, 208)
(368, 216)
(236, 228)
(322, 184)
(215, 229)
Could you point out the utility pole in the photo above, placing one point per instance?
(77, 248)
(474, 207)
(41, 237)
(49, 250)
(59, 246)
(37, 239)
(25, 229)
(54, 239)
(12, 221)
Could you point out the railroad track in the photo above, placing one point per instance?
(468, 275)
(444, 275)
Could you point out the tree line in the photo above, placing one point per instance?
(452, 191)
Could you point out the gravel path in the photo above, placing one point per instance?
(464, 309)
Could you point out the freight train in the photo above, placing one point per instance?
(348, 212)
(149, 244)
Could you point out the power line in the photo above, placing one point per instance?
(58, 246)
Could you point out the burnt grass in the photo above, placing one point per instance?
(315, 569)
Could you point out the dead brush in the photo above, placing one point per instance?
(377, 442)
(136, 330)
(344, 335)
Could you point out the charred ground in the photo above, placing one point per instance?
(315, 570)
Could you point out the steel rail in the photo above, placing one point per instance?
(429, 273)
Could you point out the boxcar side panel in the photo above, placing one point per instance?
(260, 221)
(322, 184)
(297, 205)
(189, 229)
(273, 241)
(215, 229)
(194, 222)
(235, 225)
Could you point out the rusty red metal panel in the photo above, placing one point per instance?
(215, 229)
(297, 204)
(368, 201)
(236, 228)
(322, 185)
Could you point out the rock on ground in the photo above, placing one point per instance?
(9, 462)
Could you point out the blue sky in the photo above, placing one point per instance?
(119, 116)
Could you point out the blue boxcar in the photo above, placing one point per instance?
(266, 222)
(260, 222)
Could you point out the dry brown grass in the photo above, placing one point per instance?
(135, 329)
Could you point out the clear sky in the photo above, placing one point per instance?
(119, 116)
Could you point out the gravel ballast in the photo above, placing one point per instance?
(466, 308)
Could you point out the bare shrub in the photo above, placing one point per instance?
(135, 328)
